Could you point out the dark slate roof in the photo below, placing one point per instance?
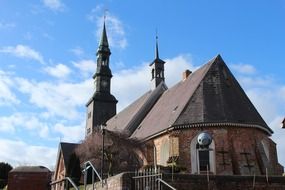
(129, 118)
(167, 109)
(67, 149)
(209, 96)
(220, 99)
(37, 169)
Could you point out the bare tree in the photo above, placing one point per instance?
(120, 152)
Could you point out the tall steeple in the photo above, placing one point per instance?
(102, 105)
(103, 45)
(103, 73)
(157, 68)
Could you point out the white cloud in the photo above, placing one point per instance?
(59, 99)
(23, 52)
(19, 121)
(243, 68)
(59, 71)
(7, 97)
(20, 153)
(174, 67)
(55, 5)
(86, 66)
(115, 28)
(70, 133)
(78, 51)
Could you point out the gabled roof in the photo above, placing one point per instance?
(65, 150)
(210, 96)
(128, 119)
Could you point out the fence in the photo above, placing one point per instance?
(150, 179)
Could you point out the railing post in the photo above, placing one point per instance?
(92, 180)
(85, 176)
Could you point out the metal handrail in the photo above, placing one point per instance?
(72, 183)
(94, 169)
(165, 183)
(87, 165)
(65, 179)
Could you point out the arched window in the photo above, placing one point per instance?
(202, 158)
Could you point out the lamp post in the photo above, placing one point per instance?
(102, 163)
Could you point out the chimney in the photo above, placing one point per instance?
(283, 123)
(186, 74)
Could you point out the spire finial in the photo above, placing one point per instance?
(105, 15)
(156, 46)
(104, 39)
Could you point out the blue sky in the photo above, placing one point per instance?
(47, 58)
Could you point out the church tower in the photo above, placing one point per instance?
(157, 69)
(102, 105)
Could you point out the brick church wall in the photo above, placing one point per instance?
(238, 151)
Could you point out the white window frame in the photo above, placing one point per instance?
(194, 154)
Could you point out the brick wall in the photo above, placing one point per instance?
(124, 181)
(244, 152)
(222, 182)
(29, 180)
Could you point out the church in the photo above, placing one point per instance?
(205, 123)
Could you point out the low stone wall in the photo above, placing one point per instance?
(220, 182)
(122, 181)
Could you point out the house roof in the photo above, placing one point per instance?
(67, 149)
(38, 169)
(128, 119)
(210, 96)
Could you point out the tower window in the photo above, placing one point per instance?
(88, 131)
(104, 61)
(89, 115)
